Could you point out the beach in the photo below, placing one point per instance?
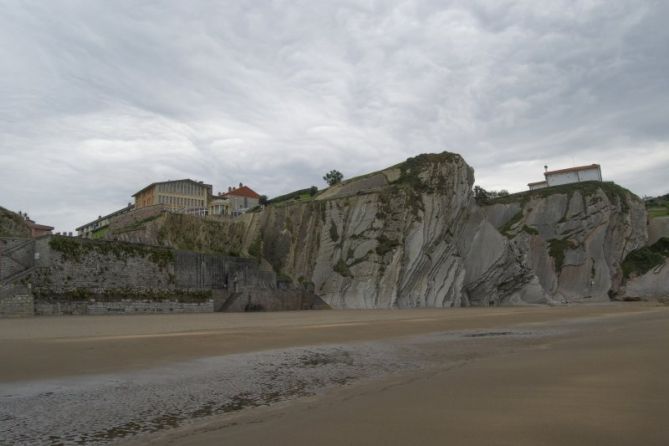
(585, 374)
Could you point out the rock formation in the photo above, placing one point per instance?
(413, 235)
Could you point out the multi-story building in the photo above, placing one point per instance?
(177, 195)
(96, 228)
(242, 199)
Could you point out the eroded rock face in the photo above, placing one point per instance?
(574, 238)
(386, 240)
(413, 236)
(653, 284)
(390, 240)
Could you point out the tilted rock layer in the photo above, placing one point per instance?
(413, 236)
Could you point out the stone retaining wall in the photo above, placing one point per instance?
(121, 307)
(16, 300)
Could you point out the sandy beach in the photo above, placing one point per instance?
(523, 376)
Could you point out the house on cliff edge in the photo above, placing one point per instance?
(592, 172)
(241, 198)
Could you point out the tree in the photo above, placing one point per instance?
(313, 190)
(263, 200)
(481, 195)
(333, 177)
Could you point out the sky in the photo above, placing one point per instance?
(101, 98)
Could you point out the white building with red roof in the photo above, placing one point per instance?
(242, 199)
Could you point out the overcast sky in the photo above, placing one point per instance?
(100, 98)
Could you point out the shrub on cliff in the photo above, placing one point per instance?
(642, 260)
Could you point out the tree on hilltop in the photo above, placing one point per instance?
(333, 177)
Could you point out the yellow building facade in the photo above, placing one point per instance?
(179, 194)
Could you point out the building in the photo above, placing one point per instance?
(97, 227)
(242, 199)
(183, 195)
(220, 205)
(578, 174)
(537, 185)
(37, 230)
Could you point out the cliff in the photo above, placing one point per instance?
(412, 235)
(573, 238)
(647, 272)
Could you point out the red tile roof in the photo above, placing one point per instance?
(243, 191)
(33, 225)
(572, 169)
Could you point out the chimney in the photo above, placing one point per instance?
(241, 185)
(229, 188)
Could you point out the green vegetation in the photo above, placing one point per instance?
(333, 177)
(136, 225)
(385, 245)
(75, 249)
(657, 206)
(411, 168)
(505, 230)
(255, 250)
(12, 225)
(616, 194)
(483, 196)
(283, 278)
(208, 236)
(341, 268)
(530, 230)
(658, 212)
(640, 261)
(557, 248)
(301, 195)
(100, 233)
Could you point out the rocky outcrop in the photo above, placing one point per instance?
(412, 235)
(651, 285)
(573, 238)
(647, 272)
(12, 225)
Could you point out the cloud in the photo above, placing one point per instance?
(101, 98)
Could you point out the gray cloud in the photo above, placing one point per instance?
(101, 98)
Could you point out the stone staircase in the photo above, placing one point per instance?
(17, 261)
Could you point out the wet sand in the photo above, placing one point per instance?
(533, 375)
(49, 347)
(609, 386)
